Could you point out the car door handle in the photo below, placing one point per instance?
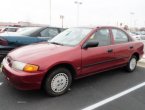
(131, 47)
(110, 50)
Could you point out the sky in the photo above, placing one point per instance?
(91, 12)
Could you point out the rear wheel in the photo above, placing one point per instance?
(58, 82)
(132, 64)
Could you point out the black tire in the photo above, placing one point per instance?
(128, 67)
(52, 78)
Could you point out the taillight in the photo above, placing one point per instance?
(3, 42)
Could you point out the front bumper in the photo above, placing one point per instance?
(22, 80)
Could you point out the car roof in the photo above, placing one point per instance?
(92, 27)
(98, 27)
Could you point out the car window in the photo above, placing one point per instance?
(62, 29)
(49, 32)
(29, 31)
(71, 37)
(102, 36)
(11, 29)
(119, 36)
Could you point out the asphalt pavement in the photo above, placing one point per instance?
(83, 93)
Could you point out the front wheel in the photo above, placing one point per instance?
(131, 64)
(58, 82)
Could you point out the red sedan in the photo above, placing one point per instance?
(74, 53)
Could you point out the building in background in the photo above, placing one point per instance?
(20, 24)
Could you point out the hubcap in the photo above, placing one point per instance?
(132, 63)
(59, 82)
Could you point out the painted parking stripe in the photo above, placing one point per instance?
(143, 56)
(107, 100)
(21, 102)
(1, 83)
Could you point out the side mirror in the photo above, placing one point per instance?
(90, 43)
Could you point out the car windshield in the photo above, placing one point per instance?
(28, 31)
(71, 37)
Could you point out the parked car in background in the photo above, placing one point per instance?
(9, 29)
(1, 29)
(73, 54)
(135, 37)
(11, 40)
(139, 35)
(142, 36)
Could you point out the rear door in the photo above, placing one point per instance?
(123, 46)
(98, 58)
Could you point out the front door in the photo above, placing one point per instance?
(96, 59)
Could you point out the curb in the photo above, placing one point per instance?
(142, 61)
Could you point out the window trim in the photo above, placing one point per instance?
(110, 35)
(121, 31)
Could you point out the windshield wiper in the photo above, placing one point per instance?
(56, 43)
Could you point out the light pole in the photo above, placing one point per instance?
(132, 19)
(78, 4)
(50, 12)
(61, 17)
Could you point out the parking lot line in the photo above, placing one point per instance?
(21, 102)
(1, 83)
(107, 100)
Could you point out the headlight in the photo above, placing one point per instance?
(24, 67)
(18, 65)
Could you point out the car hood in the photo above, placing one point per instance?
(38, 51)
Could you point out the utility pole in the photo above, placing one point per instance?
(78, 4)
(61, 17)
(132, 18)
